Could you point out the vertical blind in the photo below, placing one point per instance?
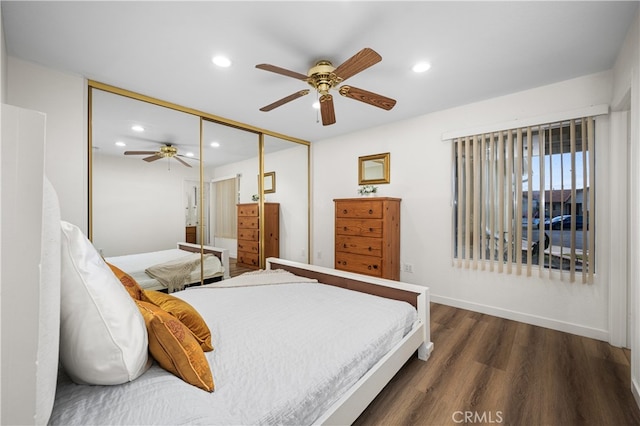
(524, 200)
(225, 201)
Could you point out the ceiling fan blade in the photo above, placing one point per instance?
(139, 152)
(327, 111)
(367, 97)
(284, 100)
(190, 158)
(182, 161)
(152, 158)
(281, 71)
(357, 63)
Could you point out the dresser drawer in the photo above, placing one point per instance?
(248, 234)
(248, 222)
(359, 245)
(361, 264)
(247, 210)
(250, 259)
(362, 209)
(359, 227)
(248, 246)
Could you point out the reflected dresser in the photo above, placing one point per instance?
(367, 236)
(190, 235)
(249, 233)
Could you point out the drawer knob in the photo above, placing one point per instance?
(370, 229)
(344, 211)
(369, 267)
(345, 228)
(370, 249)
(370, 211)
(344, 246)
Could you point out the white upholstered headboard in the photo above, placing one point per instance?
(30, 272)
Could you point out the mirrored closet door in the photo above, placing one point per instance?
(161, 174)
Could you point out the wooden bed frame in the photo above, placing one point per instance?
(347, 409)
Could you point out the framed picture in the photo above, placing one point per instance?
(374, 169)
(269, 184)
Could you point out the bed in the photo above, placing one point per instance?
(51, 311)
(216, 265)
(287, 351)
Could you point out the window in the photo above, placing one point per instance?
(524, 198)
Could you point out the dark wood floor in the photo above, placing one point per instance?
(235, 269)
(495, 371)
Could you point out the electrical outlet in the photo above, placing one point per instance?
(407, 267)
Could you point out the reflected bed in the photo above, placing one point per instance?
(216, 267)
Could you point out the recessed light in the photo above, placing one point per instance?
(137, 128)
(316, 105)
(189, 154)
(421, 67)
(215, 144)
(222, 61)
(120, 143)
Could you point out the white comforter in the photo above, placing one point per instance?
(135, 265)
(283, 354)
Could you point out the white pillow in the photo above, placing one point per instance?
(103, 338)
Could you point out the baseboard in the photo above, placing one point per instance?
(566, 327)
(635, 390)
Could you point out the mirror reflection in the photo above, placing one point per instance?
(289, 162)
(148, 195)
(141, 202)
(374, 169)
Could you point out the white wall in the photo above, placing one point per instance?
(3, 91)
(626, 84)
(62, 97)
(138, 206)
(421, 175)
(290, 166)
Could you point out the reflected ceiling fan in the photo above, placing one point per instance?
(166, 151)
(324, 76)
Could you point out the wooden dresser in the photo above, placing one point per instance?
(249, 233)
(190, 235)
(367, 236)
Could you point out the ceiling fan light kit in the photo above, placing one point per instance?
(323, 77)
(166, 151)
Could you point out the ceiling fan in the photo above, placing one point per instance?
(324, 76)
(166, 151)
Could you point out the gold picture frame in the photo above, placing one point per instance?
(269, 183)
(374, 169)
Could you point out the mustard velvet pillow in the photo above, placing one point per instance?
(129, 283)
(186, 313)
(175, 348)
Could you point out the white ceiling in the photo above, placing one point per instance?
(477, 50)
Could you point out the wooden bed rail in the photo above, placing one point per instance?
(349, 281)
